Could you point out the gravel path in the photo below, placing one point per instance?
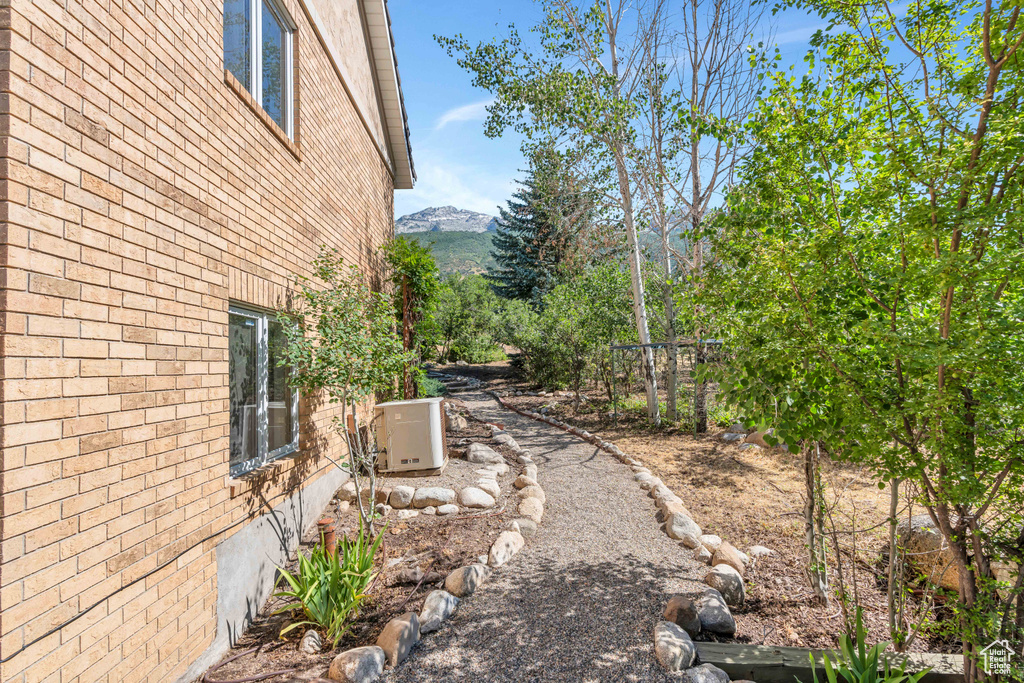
(580, 602)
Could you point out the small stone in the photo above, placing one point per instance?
(457, 422)
(682, 611)
(432, 496)
(347, 492)
(500, 469)
(749, 447)
(472, 497)
(732, 437)
(429, 510)
(522, 481)
(726, 580)
(711, 542)
(759, 551)
(505, 547)
(359, 665)
(530, 471)
(401, 497)
(398, 637)
(527, 527)
(533, 492)
(702, 555)
(646, 480)
(524, 459)
(672, 647)
(409, 575)
(532, 508)
(706, 673)
(714, 614)
(728, 554)
(738, 428)
(490, 486)
(483, 454)
(383, 510)
(407, 514)
(438, 606)
(505, 439)
(449, 509)
(311, 643)
(465, 580)
(680, 527)
(490, 474)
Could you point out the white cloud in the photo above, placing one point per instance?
(477, 111)
(439, 183)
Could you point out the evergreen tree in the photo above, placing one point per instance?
(540, 232)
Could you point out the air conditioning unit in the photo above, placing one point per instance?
(411, 435)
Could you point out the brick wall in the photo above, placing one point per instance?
(142, 194)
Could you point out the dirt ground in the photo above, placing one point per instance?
(435, 544)
(755, 497)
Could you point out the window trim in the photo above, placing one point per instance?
(256, 61)
(263, 456)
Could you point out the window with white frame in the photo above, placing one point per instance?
(258, 51)
(264, 408)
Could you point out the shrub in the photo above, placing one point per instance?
(330, 587)
(856, 663)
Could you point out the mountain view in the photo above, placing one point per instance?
(459, 239)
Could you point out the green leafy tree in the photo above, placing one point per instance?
(466, 316)
(869, 281)
(341, 341)
(414, 278)
(586, 81)
(544, 232)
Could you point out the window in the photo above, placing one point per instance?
(264, 408)
(258, 37)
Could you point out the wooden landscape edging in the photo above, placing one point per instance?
(769, 664)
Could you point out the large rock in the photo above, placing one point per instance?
(482, 453)
(472, 497)
(449, 509)
(433, 496)
(505, 546)
(711, 542)
(533, 492)
(401, 497)
(347, 492)
(438, 606)
(757, 438)
(398, 637)
(702, 555)
(532, 508)
(680, 527)
(672, 647)
(465, 580)
(359, 665)
(714, 614)
(522, 481)
(660, 491)
(499, 468)
(706, 673)
(649, 482)
(311, 643)
(728, 554)
(733, 437)
(456, 422)
(672, 506)
(530, 471)
(490, 486)
(682, 611)
(924, 546)
(726, 580)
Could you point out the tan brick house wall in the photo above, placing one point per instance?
(142, 192)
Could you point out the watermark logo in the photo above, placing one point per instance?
(995, 659)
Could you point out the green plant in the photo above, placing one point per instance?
(342, 341)
(415, 282)
(330, 587)
(428, 387)
(856, 663)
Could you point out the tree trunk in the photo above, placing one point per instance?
(639, 305)
(817, 572)
(672, 371)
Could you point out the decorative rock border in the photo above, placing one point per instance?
(400, 635)
(728, 564)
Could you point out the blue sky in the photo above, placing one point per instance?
(456, 163)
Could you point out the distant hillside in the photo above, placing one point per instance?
(458, 252)
(444, 219)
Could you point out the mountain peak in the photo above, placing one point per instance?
(444, 219)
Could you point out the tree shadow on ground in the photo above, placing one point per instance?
(545, 621)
